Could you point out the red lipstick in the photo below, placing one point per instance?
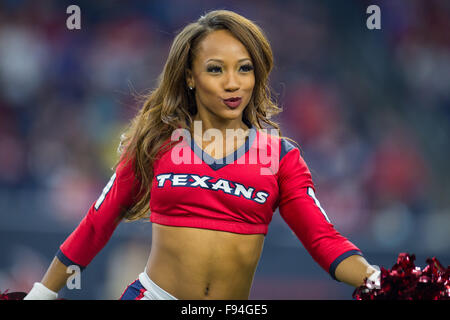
(233, 102)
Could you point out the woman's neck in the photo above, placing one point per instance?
(200, 125)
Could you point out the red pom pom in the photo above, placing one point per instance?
(12, 295)
(16, 295)
(405, 281)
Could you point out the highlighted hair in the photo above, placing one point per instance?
(171, 104)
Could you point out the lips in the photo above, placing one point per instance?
(233, 102)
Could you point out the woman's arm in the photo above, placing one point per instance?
(56, 276)
(354, 270)
(302, 211)
(53, 281)
(93, 232)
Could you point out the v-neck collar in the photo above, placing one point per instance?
(216, 164)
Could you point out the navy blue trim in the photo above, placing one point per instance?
(339, 259)
(216, 164)
(66, 261)
(132, 291)
(286, 146)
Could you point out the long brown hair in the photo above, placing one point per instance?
(171, 104)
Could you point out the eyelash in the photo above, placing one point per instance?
(212, 68)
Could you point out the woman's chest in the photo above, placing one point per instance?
(237, 186)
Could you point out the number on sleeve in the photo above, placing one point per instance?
(312, 195)
(105, 192)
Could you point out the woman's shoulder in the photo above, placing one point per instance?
(284, 143)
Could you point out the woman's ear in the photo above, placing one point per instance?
(189, 79)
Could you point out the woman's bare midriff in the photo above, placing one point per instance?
(193, 263)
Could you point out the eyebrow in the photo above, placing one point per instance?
(218, 60)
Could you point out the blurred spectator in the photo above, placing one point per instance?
(397, 171)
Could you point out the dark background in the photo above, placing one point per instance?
(370, 109)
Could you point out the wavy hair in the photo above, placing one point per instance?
(171, 104)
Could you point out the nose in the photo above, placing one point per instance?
(232, 82)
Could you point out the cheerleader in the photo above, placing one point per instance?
(210, 203)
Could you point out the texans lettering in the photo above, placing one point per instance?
(227, 186)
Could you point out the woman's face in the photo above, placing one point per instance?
(221, 69)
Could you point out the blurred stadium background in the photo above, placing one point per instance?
(370, 109)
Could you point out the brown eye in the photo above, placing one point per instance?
(247, 67)
(214, 69)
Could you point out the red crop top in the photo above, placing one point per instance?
(238, 193)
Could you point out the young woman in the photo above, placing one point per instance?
(210, 206)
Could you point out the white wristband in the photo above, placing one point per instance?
(374, 279)
(41, 292)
